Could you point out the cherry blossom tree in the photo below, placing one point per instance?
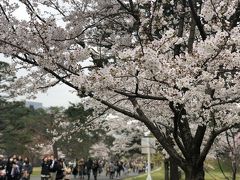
(100, 151)
(170, 64)
(127, 134)
(227, 146)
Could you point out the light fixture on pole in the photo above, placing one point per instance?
(148, 147)
(149, 177)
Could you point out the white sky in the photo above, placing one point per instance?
(60, 95)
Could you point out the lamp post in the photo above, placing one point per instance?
(149, 177)
(148, 147)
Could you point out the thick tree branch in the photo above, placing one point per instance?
(162, 139)
(210, 141)
(181, 28)
(197, 20)
(230, 101)
(191, 35)
(124, 6)
(19, 48)
(67, 69)
(123, 111)
(176, 123)
(198, 139)
(57, 76)
(235, 18)
(141, 96)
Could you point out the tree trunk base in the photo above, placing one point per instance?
(194, 174)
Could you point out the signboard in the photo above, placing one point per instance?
(146, 143)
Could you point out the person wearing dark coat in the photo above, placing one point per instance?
(95, 167)
(119, 168)
(9, 168)
(60, 170)
(53, 167)
(88, 165)
(45, 173)
(26, 169)
(20, 163)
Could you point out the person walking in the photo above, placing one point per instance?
(9, 166)
(20, 162)
(75, 172)
(15, 172)
(89, 167)
(45, 171)
(68, 172)
(53, 167)
(111, 170)
(59, 169)
(95, 167)
(26, 169)
(119, 168)
(81, 168)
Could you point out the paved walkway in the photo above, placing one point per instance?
(100, 177)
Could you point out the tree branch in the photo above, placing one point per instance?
(141, 96)
(157, 133)
(197, 20)
(210, 141)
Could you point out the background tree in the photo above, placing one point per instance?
(81, 134)
(126, 135)
(226, 151)
(14, 134)
(12, 116)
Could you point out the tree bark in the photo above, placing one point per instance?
(55, 151)
(166, 169)
(174, 174)
(194, 173)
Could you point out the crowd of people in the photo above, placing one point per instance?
(15, 168)
(53, 169)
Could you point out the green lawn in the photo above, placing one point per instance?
(36, 171)
(156, 175)
(159, 175)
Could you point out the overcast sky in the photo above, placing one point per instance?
(60, 95)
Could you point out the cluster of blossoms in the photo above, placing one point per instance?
(176, 64)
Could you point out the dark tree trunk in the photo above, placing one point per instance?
(166, 169)
(55, 151)
(174, 174)
(234, 170)
(194, 173)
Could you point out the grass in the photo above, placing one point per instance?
(159, 175)
(156, 175)
(36, 171)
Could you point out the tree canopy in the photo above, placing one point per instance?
(171, 64)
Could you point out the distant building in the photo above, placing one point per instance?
(33, 105)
